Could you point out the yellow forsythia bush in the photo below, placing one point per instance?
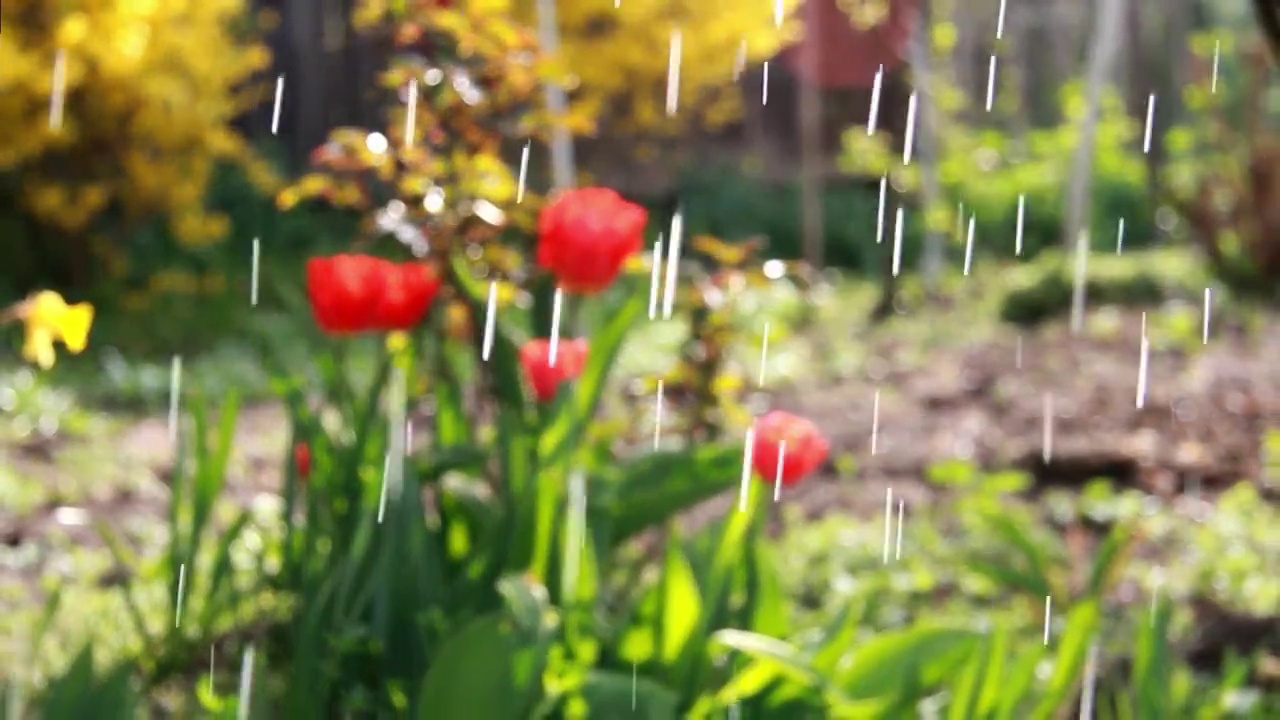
(616, 55)
(151, 90)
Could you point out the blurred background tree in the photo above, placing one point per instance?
(117, 115)
(617, 56)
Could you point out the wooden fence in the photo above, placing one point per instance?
(330, 74)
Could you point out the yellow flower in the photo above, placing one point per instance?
(47, 318)
(397, 341)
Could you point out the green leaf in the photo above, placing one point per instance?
(455, 458)
(977, 686)
(121, 558)
(638, 643)
(1014, 689)
(615, 695)
(1152, 671)
(1033, 576)
(218, 584)
(781, 657)
(920, 656)
(656, 487)
(716, 580)
(681, 602)
(453, 425)
(767, 602)
(80, 692)
(861, 709)
(1109, 559)
(527, 500)
(1082, 628)
(839, 635)
(503, 366)
(485, 670)
(563, 433)
(997, 681)
(754, 679)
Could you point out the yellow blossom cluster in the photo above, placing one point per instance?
(615, 57)
(124, 107)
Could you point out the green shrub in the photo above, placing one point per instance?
(729, 204)
(986, 170)
(983, 172)
(1042, 289)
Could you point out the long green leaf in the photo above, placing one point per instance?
(1082, 628)
(1034, 577)
(921, 656)
(681, 603)
(220, 582)
(527, 501)
(839, 634)
(978, 687)
(121, 557)
(767, 603)
(1109, 559)
(1017, 685)
(716, 585)
(1152, 671)
(453, 426)
(785, 659)
(994, 685)
(656, 487)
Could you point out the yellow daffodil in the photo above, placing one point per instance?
(48, 318)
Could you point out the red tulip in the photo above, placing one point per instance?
(358, 293)
(585, 235)
(407, 293)
(342, 288)
(800, 443)
(302, 460)
(535, 358)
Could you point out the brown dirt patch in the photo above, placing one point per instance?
(1201, 425)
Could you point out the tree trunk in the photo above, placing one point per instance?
(304, 99)
(1108, 31)
(932, 258)
(812, 157)
(563, 172)
(1040, 77)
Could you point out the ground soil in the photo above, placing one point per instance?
(1201, 427)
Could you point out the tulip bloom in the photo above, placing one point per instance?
(407, 292)
(797, 440)
(585, 235)
(302, 460)
(47, 318)
(359, 293)
(545, 379)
